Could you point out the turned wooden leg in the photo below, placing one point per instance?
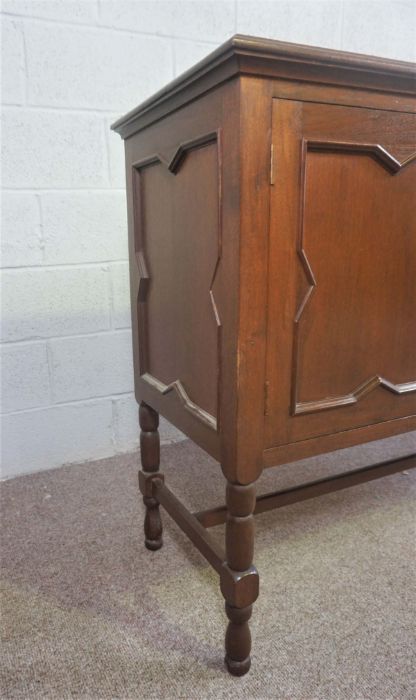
(240, 581)
(150, 459)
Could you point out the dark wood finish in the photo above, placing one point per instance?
(166, 362)
(331, 271)
(312, 489)
(251, 55)
(336, 441)
(272, 248)
(150, 458)
(215, 313)
(239, 587)
(189, 525)
(239, 547)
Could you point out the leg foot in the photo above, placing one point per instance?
(153, 545)
(238, 640)
(239, 544)
(150, 458)
(237, 668)
(152, 525)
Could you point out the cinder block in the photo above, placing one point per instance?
(381, 28)
(187, 53)
(84, 226)
(91, 366)
(42, 439)
(116, 153)
(126, 424)
(83, 11)
(20, 230)
(52, 149)
(52, 302)
(79, 67)
(13, 62)
(24, 376)
(120, 283)
(212, 20)
(317, 23)
(127, 430)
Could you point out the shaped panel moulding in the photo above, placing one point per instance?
(176, 210)
(393, 166)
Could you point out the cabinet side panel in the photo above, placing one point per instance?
(177, 242)
(183, 193)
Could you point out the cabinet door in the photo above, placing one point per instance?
(342, 270)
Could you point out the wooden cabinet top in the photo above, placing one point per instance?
(245, 55)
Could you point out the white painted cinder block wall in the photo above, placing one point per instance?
(70, 67)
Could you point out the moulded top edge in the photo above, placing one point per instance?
(242, 54)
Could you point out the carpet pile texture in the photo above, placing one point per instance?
(88, 612)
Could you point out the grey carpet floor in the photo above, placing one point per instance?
(88, 612)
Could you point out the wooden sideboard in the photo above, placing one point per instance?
(271, 207)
